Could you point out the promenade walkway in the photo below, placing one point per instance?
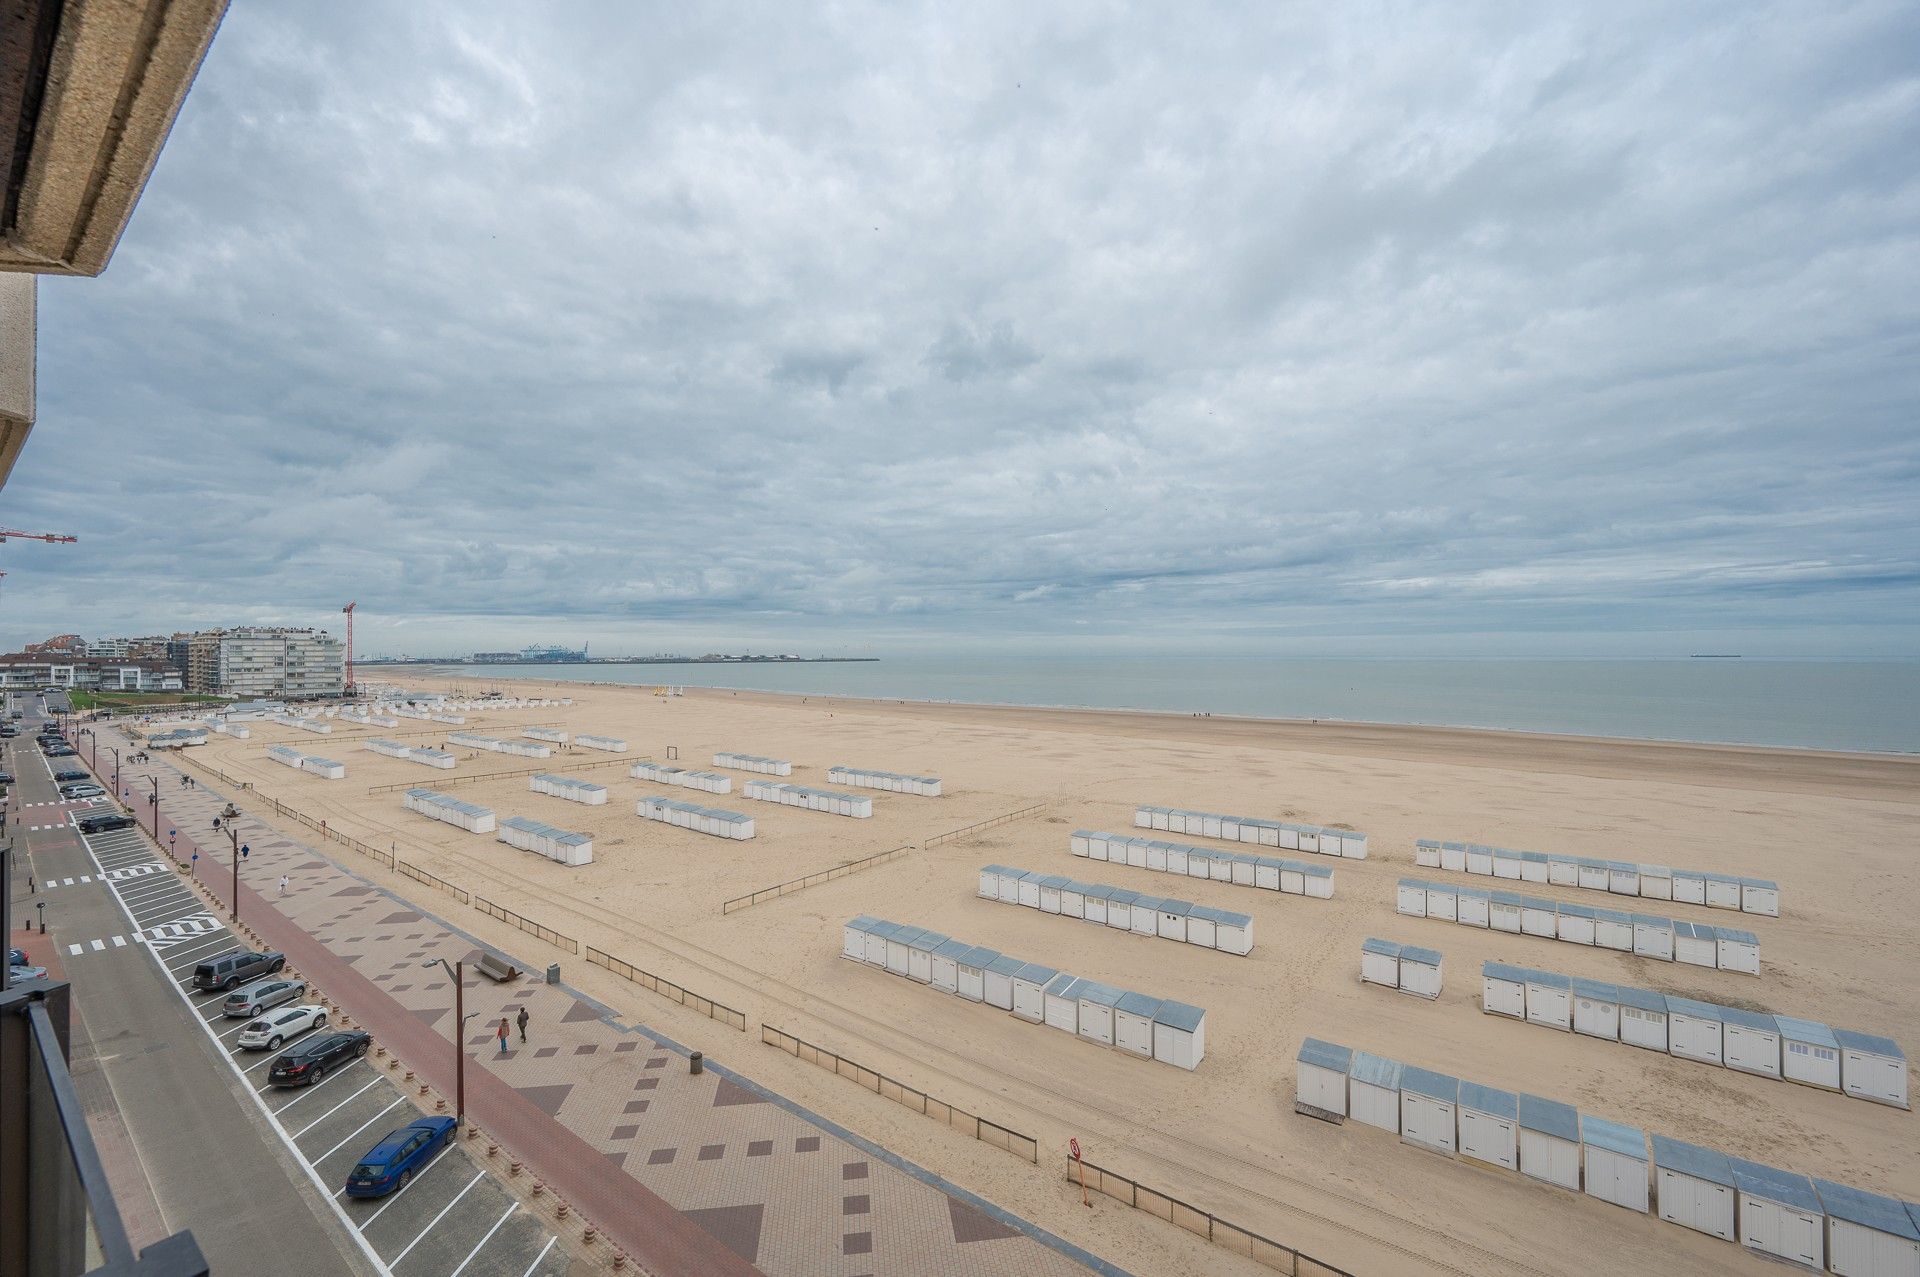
(707, 1174)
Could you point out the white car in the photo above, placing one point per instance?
(82, 791)
(275, 1028)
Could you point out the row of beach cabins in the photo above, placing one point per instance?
(1136, 1023)
(1616, 877)
(1644, 935)
(1120, 909)
(1773, 1212)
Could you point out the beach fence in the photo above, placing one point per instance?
(952, 1115)
(812, 880)
(479, 777)
(668, 989)
(526, 924)
(954, 835)
(1241, 1241)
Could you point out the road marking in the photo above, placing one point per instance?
(98, 945)
(542, 1255)
(417, 1177)
(356, 1130)
(335, 1109)
(478, 1176)
(484, 1240)
(305, 1091)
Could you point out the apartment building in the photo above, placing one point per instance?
(258, 661)
(89, 673)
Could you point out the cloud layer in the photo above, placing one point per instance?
(1253, 326)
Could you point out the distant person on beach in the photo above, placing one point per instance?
(283, 884)
(501, 1033)
(522, 1019)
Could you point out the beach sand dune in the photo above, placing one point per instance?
(1836, 831)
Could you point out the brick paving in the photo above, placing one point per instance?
(764, 1184)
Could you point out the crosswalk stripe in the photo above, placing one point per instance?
(98, 945)
(119, 942)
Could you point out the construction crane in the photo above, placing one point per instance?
(348, 609)
(36, 536)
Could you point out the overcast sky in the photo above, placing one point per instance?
(1277, 328)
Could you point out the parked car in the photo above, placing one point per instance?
(252, 999)
(392, 1163)
(6, 778)
(82, 791)
(71, 775)
(105, 824)
(18, 958)
(276, 1028)
(16, 972)
(234, 967)
(310, 1059)
(62, 752)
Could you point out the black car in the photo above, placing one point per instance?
(71, 775)
(6, 778)
(106, 824)
(312, 1059)
(61, 751)
(235, 967)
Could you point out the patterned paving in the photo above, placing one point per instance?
(786, 1191)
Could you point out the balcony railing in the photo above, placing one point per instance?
(58, 1217)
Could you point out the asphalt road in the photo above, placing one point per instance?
(254, 1171)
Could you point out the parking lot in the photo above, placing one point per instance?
(452, 1218)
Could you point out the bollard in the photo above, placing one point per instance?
(539, 1187)
(589, 1236)
(513, 1168)
(697, 1062)
(493, 1150)
(561, 1211)
(439, 1106)
(619, 1262)
(409, 1075)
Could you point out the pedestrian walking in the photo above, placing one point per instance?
(502, 1034)
(523, 1017)
(283, 884)
(216, 824)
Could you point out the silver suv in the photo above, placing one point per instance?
(257, 997)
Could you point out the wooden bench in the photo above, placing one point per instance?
(496, 968)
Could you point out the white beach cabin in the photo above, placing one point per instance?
(1613, 929)
(1489, 1125)
(1615, 1159)
(1097, 1002)
(1179, 1034)
(1695, 1030)
(997, 981)
(1380, 963)
(1761, 896)
(1549, 999)
(1596, 1009)
(1750, 1042)
(1809, 1053)
(1063, 1003)
(1643, 1018)
(1133, 1024)
(1029, 991)
(971, 972)
(1320, 1079)
(1737, 950)
(1872, 1068)
(1411, 898)
(1503, 990)
(1373, 1091)
(1656, 882)
(1868, 1233)
(1428, 1104)
(1693, 1187)
(1696, 944)
(1652, 937)
(853, 937)
(1550, 1141)
(1503, 911)
(1780, 1213)
(1473, 905)
(1420, 972)
(1539, 917)
(946, 965)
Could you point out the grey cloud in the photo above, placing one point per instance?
(1238, 324)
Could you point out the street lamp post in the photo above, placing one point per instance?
(116, 768)
(459, 973)
(239, 853)
(155, 800)
(93, 748)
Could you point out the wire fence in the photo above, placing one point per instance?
(919, 1101)
(813, 879)
(954, 834)
(668, 989)
(1261, 1250)
(525, 924)
(433, 880)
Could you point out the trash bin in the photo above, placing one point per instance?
(697, 1062)
(553, 973)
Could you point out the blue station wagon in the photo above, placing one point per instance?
(394, 1161)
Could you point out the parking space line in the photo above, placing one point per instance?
(196, 950)
(477, 1177)
(542, 1255)
(335, 1109)
(484, 1240)
(313, 1176)
(438, 1158)
(306, 1091)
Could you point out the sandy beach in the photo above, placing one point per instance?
(1835, 830)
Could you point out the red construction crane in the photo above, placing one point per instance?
(348, 609)
(36, 536)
